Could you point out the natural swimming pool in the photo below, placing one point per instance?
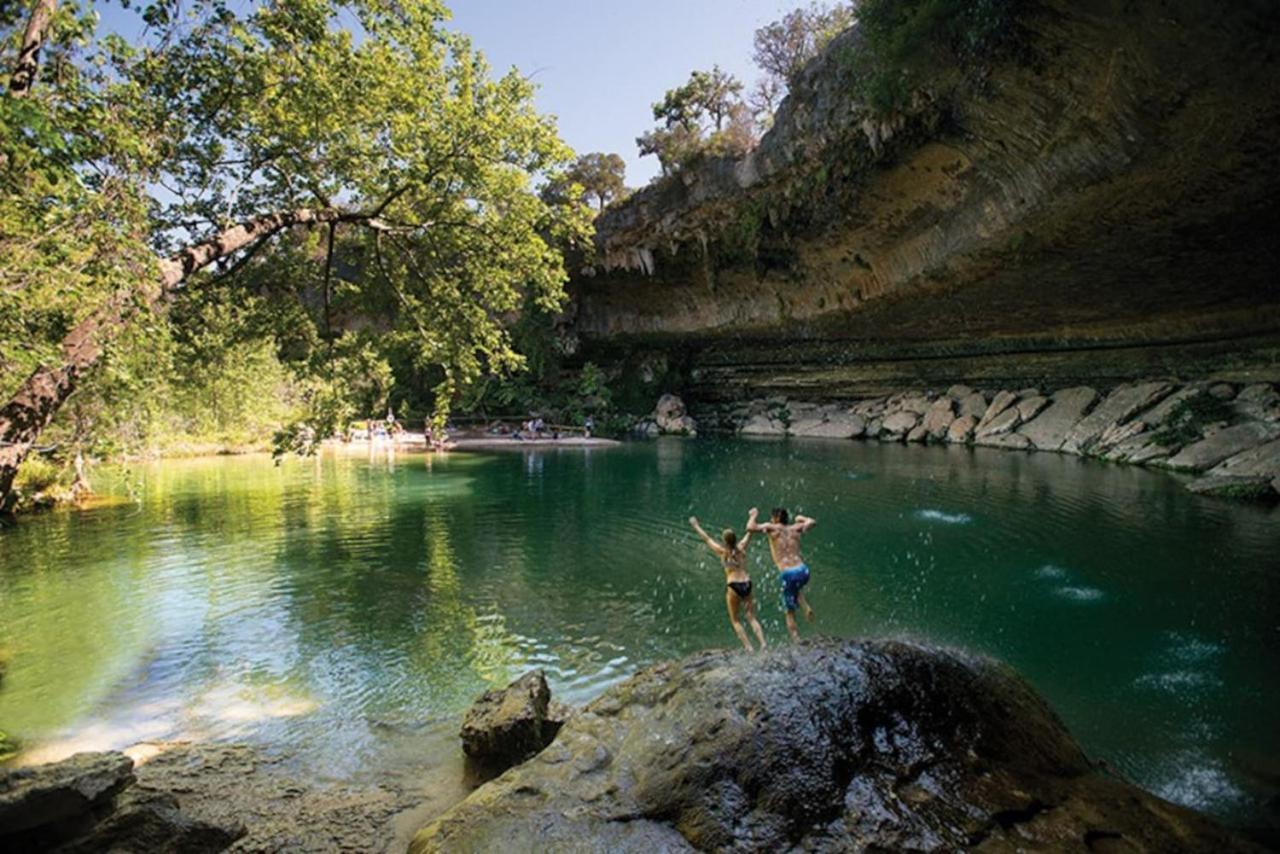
(322, 604)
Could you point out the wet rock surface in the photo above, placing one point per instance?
(508, 725)
(827, 746)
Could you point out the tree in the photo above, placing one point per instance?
(598, 175)
(128, 168)
(706, 115)
(784, 47)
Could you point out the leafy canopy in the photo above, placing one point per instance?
(369, 110)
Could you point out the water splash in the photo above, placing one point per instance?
(1051, 572)
(1081, 594)
(944, 517)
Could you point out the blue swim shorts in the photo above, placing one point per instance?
(792, 580)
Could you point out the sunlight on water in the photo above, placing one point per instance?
(333, 608)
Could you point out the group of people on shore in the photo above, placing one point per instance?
(793, 573)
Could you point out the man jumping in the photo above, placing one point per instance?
(784, 545)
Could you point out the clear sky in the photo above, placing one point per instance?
(602, 63)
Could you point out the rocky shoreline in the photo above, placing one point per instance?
(879, 745)
(1228, 434)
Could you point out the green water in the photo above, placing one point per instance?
(326, 607)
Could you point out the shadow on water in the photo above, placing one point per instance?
(339, 609)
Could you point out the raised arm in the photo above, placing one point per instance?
(706, 538)
(804, 523)
(752, 525)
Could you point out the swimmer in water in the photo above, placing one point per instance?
(733, 557)
(784, 544)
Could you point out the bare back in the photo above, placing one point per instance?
(784, 544)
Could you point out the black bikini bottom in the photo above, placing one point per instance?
(742, 588)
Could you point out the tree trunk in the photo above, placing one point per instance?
(34, 405)
(24, 71)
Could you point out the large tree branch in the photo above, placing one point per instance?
(24, 71)
(34, 405)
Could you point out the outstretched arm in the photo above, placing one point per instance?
(706, 538)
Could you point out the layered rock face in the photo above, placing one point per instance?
(828, 746)
(1094, 208)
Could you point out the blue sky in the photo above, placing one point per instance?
(602, 63)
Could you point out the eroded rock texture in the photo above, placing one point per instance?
(829, 746)
(1097, 207)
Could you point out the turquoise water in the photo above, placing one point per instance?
(326, 607)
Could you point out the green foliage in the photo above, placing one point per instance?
(785, 46)
(908, 43)
(1188, 418)
(596, 175)
(9, 746)
(704, 117)
(239, 112)
(37, 475)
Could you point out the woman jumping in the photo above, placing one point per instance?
(733, 556)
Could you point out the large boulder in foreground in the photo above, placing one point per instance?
(828, 746)
(508, 725)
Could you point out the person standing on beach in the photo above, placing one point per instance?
(784, 545)
(733, 557)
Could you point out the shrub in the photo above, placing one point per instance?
(1188, 419)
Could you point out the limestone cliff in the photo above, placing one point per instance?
(1097, 206)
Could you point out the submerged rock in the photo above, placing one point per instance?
(827, 746)
(508, 725)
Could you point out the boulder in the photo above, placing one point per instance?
(915, 403)
(1227, 486)
(1228, 442)
(1119, 407)
(89, 803)
(961, 430)
(1049, 429)
(1159, 414)
(918, 434)
(1117, 433)
(61, 792)
(1002, 401)
(671, 417)
(1002, 423)
(898, 425)
(938, 418)
(508, 725)
(972, 404)
(763, 425)
(868, 408)
(1223, 391)
(1259, 402)
(1031, 405)
(959, 392)
(1262, 461)
(646, 429)
(836, 425)
(1009, 441)
(874, 427)
(870, 745)
(152, 822)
